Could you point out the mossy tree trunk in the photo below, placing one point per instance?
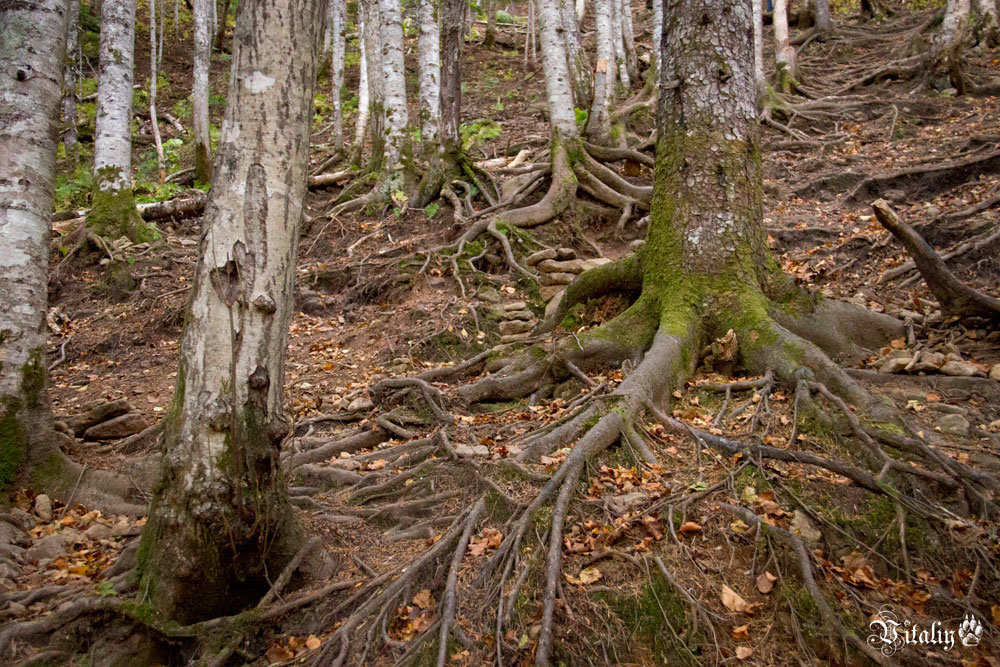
(113, 213)
(70, 75)
(220, 519)
(32, 47)
(199, 90)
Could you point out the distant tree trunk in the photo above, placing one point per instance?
(490, 7)
(154, 122)
(70, 75)
(758, 48)
(220, 523)
(950, 40)
(32, 48)
(821, 9)
(364, 92)
(199, 91)
(112, 212)
(429, 65)
(784, 52)
(617, 39)
(451, 74)
(394, 84)
(579, 64)
(220, 28)
(376, 83)
(338, 21)
(656, 56)
(599, 118)
(628, 40)
(988, 25)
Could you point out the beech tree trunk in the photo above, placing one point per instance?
(821, 9)
(950, 40)
(628, 40)
(579, 63)
(656, 56)
(364, 90)
(376, 83)
(581, 10)
(784, 52)
(338, 22)
(618, 41)
(429, 64)
(154, 122)
(599, 119)
(199, 90)
(490, 7)
(988, 25)
(451, 73)
(558, 86)
(112, 212)
(70, 76)
(758, 48)
(32, 48)
(220, 523)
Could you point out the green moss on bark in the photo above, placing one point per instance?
(14, 411)
(113, 214)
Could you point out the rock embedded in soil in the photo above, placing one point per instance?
(954, 424)
(95, 412)
(556, 278)
(565, 253)
(515, 338)
(960, 369)
(119, 427)
(548, 292)
(542, 255)
(802, 525)
(929, 362)
(519, 315)
(514, 306)
(515, 327)
(995, 372)
(43, 507)
(568, 266)
(360, 403)
(896, 365)
(51, 546)
(472, 451)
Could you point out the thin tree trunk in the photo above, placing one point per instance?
(628, 40)
(429, 64)
(220, 521)
(221, 27)
(579, 63)
(199, 91)
(988, 21)
(599, 119)
(784, 52)
(451, 74)
(581, 10)
(70, 76)
(32, 48)
(758, 48)
(618, 41)
(376, 84)
(656, 57)
(364, 91)
(154, 122)
(490, 7)
(113, 213)
(821, 8)
(337, 26)
(394, 84)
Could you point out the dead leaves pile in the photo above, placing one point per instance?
(412, 619)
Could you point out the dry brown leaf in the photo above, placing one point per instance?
(765, 582)
(424, 599)
(377, 464)
(689, 527)
(589, 575)
(279, 653)
(743, 652)
(732, 599)
(741, 632)
(312, 642)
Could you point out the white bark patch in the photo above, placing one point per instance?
(258, 82)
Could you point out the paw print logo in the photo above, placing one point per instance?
(970, 631)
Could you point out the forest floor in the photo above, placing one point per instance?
(367, 312)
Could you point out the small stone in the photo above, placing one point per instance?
(556, 278)
(514, 305)
(519, 315)
(895, 195)
(894, 365)
(43, 507)
(635, 245)
(541, 255)
(552, 305)
(119, 427)
(929, 362)
(360, 403)
(569, 266)
(488, 294)
(515, 338)
(98, 531)
(954, 424)
(995, 372)
(96, 412)
(548, 292)
(9, 534)
(472, 451)
(802, 525)
(51, 546)
(594, 262)
(960, 369)
(565, 253)
(515, 327)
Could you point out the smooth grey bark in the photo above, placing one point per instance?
(32, 48)
(599, 118)
(821, 9)
(220, 518)
(618, 41)
(628, 39)
(376, 83)
(429, 74)
(579, 63)
(338, 21)
(657, 55)
(154, 122)
(784, 52)
(394, 84)
(202, 58)
(558, 86)
(451, 73)
(113, 127)
(988, 21)
(70, 77)
(758, 48)
(364, 90)
(946, 49)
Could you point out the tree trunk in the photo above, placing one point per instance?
(950, 40)
(376, 83)
(599, 119)
(338, 20)
(655, 57)
(784, 52)
(429, 64)
(154, 122)
(394, 83)
(988, 25)
(821, 9)
(758, 48)
(364, 91)
(618, 41)
(220, 29)
(70, 76)
(199, 91)
(579, 64)
(628, 40)
(558, 86)
(451, 73)
(581, 10)
(490, 7)
(220, 520)
(32, 48)
(112, 212)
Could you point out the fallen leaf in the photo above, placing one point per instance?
(377, 464)
(589, 575)
(732, 599)
(689, 527)
(279, 653)
(742, 632)
(765, 582)
(312, 642)
(424, 599)
(743, 652)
